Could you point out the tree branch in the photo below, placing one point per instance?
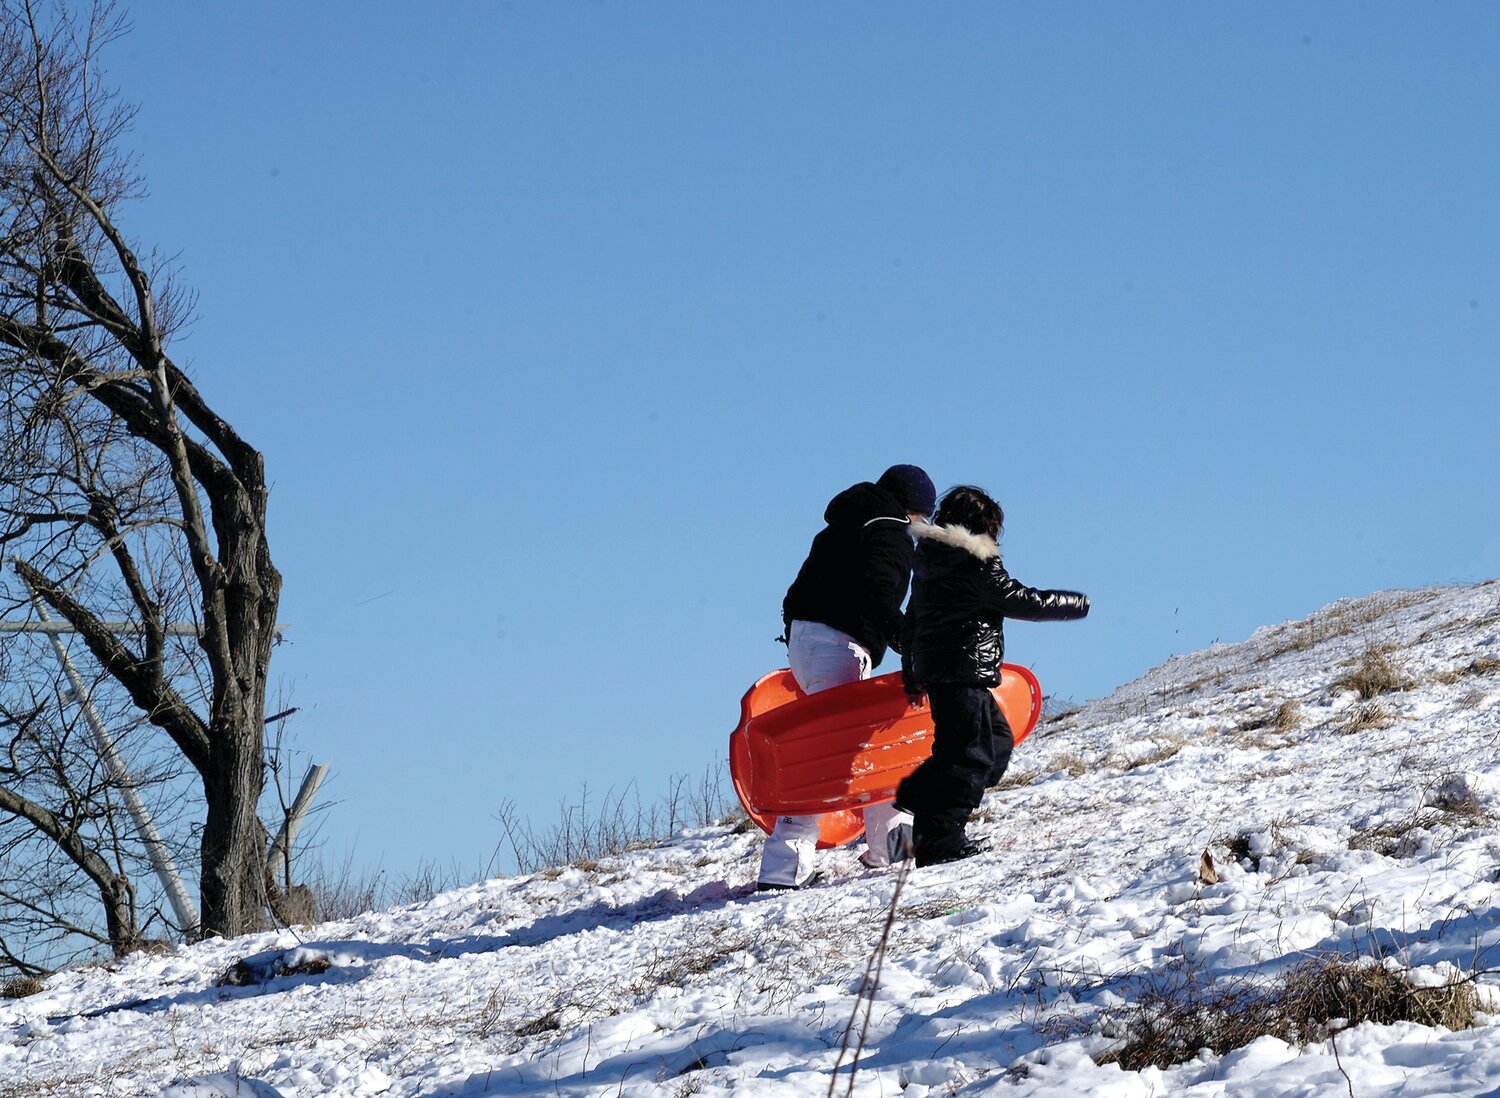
(162, 705)
(66, 838)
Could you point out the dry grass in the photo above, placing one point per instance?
(22, 987)
(1472, 700)
(1055, 708)
(1016, 779)
(1342, 620)
(1302, 635)
(595, 827)
(1269, 730)
(1283, 719)
(1478, 668)
(1366, 717)
(1283, 840)
(1162, 749)
(1178, 1014)
(68, 1087)
(939, 908)
(1394, 840)
(738, 821)
(1373, 676)
(548, 1022)
(1452, 803)
(1075, 765)
(1455, 798)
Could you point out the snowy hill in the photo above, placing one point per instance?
(1337, 826)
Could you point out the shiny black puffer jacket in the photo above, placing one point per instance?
(960, 597)
(856, 572)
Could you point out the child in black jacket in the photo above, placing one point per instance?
(954, 643)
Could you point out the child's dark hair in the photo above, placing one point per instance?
(971, 508)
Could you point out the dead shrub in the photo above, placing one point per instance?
(1375, 675)
(1366, 717)
(1178, 1014)
(22, 987)
(1288, 717)
(336, 891)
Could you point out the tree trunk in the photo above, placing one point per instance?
(234, 845)
(119, 915)
(233, 886)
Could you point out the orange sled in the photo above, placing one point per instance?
(833, 752)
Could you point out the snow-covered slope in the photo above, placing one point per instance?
(1335, 824)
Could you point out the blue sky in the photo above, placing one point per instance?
(559, 323)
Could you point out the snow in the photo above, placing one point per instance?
(661, 971)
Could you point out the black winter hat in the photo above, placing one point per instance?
(911, 486)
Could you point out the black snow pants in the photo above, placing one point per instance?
(971, 746)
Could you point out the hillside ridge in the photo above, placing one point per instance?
(1324, 788)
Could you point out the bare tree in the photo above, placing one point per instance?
(123, 494)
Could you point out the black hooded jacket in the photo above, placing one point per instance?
(961, 595)
(856, 572)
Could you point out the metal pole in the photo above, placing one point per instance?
(161, 859)
(281, 846)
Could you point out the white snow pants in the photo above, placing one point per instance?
(821, 657)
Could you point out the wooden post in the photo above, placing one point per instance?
(281, 846)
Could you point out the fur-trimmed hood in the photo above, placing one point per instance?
(980, 545)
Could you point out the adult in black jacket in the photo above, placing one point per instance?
(841, 613)
(952, 649)
(856, 573)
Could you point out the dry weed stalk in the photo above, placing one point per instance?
(868, 987)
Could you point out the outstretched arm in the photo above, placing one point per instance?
(1011, 598)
